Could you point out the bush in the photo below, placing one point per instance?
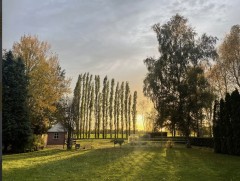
(36, 143)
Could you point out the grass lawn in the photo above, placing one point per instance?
(105, 162)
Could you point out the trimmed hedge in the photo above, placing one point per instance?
(203, 142)
(158, 134)
(195, 141)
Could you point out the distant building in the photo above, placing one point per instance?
(56, 135)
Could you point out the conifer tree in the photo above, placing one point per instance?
(16, 126)
(227, 120)
(235, 121)
(222, 126)
(216, 127)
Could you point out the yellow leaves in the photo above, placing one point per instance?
(47, 84)
(31, 50)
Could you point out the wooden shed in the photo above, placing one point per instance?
(56, 135)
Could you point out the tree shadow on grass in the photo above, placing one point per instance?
(128, 163)
(41, 153)
(183, 164)
(78, 165)
(131, 166)
(193, 164)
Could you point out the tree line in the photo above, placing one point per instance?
(104, 109)
(226, 124)
(189, 75)
(182, 83)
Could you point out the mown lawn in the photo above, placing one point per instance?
(105, 162)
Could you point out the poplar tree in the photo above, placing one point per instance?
(116, 111)
(129, 113)
(111, 108)
(76, 104)
(82, 107)
(97, 88)
(88, 102)
(99, 112)
(134, 111)
(85, 106)
(91, 106)
(127, 92)
(104, 100)
(106, 109)
(122, 107)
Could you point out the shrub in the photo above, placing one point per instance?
(36, 143)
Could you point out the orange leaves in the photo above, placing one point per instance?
(47, 82)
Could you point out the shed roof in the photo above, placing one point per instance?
(57, 128)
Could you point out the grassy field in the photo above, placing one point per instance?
(104, 162)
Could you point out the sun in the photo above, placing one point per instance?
(139, 123)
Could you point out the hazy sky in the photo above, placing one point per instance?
(110, 37)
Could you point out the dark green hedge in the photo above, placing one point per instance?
(203, 142)
(158, 134)
(226, 124)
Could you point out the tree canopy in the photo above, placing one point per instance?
(225, 74)
(175, 80)
(46, 80)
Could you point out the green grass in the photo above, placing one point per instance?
(105, 162)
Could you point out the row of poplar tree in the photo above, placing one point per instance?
(226, 124)
(103, 110)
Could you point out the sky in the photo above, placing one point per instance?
(110, 37)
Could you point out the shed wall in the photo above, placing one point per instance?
(59, 141)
